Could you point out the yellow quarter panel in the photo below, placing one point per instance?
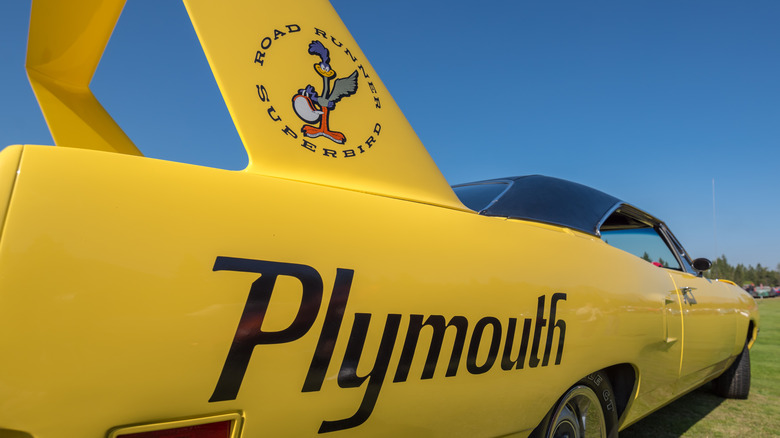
(116, 315)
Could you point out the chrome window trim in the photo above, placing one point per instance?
(682, 255)
(606, 216)
(671, 242)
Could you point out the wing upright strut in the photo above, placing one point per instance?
(66, 42)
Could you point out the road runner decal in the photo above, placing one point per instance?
(312, 107)
(315, 97)
(540, 334)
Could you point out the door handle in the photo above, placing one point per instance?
(687, 293)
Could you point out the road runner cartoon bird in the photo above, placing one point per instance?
(312, 107)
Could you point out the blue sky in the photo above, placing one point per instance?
(655, 102)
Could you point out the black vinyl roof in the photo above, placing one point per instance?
(540, 198)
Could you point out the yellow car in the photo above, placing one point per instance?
(338, 285)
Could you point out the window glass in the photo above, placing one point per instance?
(644, 243)
(479, 196)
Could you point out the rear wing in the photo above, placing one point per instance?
(306, 102)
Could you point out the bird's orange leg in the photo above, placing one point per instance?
(312, 131)
(333, 135)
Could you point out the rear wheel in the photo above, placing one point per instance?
(735, 381)
(586, 410)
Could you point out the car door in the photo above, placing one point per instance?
(709, 327)
(644, 241)
(709, 321)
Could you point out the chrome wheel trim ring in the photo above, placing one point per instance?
(578, 415)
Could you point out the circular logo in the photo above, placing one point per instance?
(319, 94)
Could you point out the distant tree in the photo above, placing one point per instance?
(765, 276)
(743, 275)
(661, 261)
(721, 269)
(739, 274)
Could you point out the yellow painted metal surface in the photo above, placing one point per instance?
(315, 292)
(9, 164)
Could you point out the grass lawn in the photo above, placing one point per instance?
(703, 414)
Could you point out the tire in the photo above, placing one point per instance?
(735, 381)
(587, 409)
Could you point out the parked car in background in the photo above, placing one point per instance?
(765, 292)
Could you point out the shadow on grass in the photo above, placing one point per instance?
(676, 418)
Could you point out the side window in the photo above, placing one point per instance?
(644, 243)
